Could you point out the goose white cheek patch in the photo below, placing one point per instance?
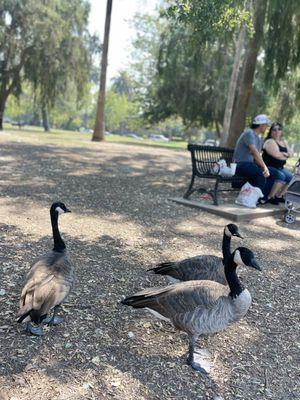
(227, 231)
(237, 258)
(59, 210)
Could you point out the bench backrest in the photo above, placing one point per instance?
(204, 158)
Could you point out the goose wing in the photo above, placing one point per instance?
(180, 298)
(47, 284)
(206, 267)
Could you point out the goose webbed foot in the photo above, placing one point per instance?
(54, 320)
(34, 330)
(196, 366)
(191, 356)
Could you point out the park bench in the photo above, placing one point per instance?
(19, 124)
(203, 160)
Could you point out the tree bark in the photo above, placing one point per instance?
(2, 108)
(4, 93)
(45, 118)
(245, 89)
(99, 129)
(232, 87)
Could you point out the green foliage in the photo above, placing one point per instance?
(209, 19)
(189, 59)
(188, 82)
(282, 40)
(120, 112)
(146, 52)
(123, 84)
(22, 108)
(45, 43)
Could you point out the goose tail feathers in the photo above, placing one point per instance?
(146, 298)
(163, 268)
(24, 312)
(22, 317)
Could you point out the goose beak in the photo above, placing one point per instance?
(254, 264)
(239, 235)
(67, 210)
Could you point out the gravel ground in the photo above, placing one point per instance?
(122, 223)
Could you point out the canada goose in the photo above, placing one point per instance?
(48, 282)
(208, 267)
(200, 307)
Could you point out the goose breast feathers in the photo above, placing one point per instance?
(48, 283)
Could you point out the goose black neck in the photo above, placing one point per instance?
(226, 247)
(234, 283)
(59, 244)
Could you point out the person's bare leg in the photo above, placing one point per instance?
(283, 190)
(276, 188)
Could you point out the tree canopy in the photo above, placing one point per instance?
(45, 43)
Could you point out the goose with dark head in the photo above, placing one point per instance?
(200, 307)
(201, 267)
(48, 281)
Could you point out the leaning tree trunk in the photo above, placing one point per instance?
(232, 87)
(245, 88)
(99, 129)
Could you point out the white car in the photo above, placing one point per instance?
(159, 138)
(85, 130)
(134, 136)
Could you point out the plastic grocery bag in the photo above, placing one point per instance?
(221, 168)
(249, 195)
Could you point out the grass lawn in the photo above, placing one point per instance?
(64, 138)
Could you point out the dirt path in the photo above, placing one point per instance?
(121, 224)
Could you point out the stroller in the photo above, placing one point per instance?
(292, 197)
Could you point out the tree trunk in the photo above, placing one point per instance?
(232, 87)
(99, 129)
(2, 107)
(245, 89)
(218, 130)
(45, 119)
(3, 98)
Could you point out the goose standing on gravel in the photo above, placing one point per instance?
(202, 267)
(200, 307)
(48, 282)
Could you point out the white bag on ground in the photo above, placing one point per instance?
(249, 195)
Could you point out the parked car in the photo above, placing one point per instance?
(85, 130)
(159, 138)
(134, 136)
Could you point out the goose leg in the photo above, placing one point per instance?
(34, 330)
(54, 320)
(190, 359)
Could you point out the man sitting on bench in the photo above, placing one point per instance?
(249, 161)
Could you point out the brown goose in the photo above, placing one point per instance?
(204, 267)
(200, 307)
(48, 282)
